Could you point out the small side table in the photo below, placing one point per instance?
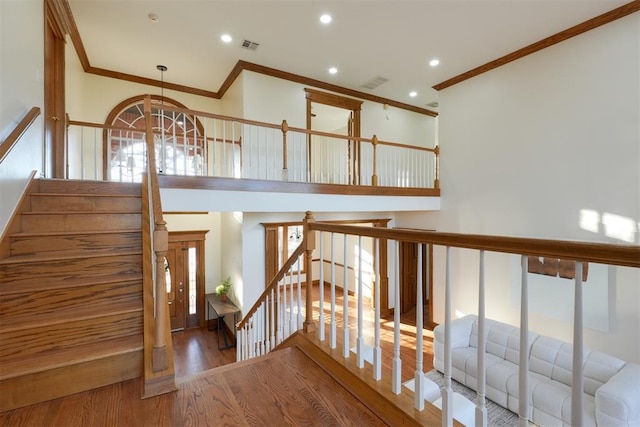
(222, 309)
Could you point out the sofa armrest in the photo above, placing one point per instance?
(617, 402)
(460, 331)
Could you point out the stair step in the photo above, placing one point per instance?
(65, 268)
(63, 372)
(46, 202)
(39, 320)
(12, 288)
(34, 243)
(61, 332)
(88, 187)
(52, 359)
(79, 221)
(47, 302)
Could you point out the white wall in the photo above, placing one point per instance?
(262, 92)
(21, 88)
(536, 148)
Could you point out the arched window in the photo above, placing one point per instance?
(179, 147)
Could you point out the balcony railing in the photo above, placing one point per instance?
(281, 311)
(196, 143)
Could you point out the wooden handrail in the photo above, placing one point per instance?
(272, 284)
(18, 131)
(604, 253)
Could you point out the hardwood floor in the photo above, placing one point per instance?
(296, 389)
(196, 350)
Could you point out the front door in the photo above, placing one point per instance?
(185, 279)
(175, 285)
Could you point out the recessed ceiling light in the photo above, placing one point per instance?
(434, 62)
(226, 38)
(413, 94)
(333, 70)
(326, 18)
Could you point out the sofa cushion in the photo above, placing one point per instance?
(554, 358)
(513, 390)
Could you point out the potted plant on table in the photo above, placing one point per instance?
(223, 289)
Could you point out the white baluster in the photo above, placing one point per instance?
(260, 334)
(240, 346)
(320, 289)
(377, 350)
(332, 333)
(345, 303)
(298, 318)
(285, 311)
(281, 322)
(267, 329)
(481, 408)
(396, 384)
(360, 342)
(523, 375)
(447, 392)
(577, 385)
(419, 374)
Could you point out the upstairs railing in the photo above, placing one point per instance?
(158, 350)
(196, 143)
(275, 311)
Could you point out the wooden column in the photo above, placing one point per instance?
(436, 181)
(160, 247)
(374, 178)
(309, 244)
(285, 170)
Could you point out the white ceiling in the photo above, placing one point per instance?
(367, 38)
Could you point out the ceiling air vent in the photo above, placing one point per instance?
(433, 104)
(248, 44)
(374, 82)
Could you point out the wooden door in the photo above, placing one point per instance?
(175, 285)
(409, 277)
(185, 259)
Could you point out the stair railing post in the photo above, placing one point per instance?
(436, 180)
(285, 168)
(374, 177)
(160, 247)
(310, 244)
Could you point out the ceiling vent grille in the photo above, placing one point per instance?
(433, 104)
(248, 44)
(374, 82)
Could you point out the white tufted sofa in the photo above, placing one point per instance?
(611, 386)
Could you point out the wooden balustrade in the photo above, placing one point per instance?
(268, 148)
(615, 255)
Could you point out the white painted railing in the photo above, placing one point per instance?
(196, 143)
(367, 351)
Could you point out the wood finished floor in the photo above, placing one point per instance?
(224, 396)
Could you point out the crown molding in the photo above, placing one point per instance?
(576, 30)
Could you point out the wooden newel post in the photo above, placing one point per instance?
(160, 247)
(436, 181)
(374, 178)
(309, 246)
(285, 170)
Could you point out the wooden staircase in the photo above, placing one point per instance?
(71, 312)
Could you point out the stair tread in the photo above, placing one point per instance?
(51, 359)
(67, 254)
(41, 285)
(69, 314)
(71, 233)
